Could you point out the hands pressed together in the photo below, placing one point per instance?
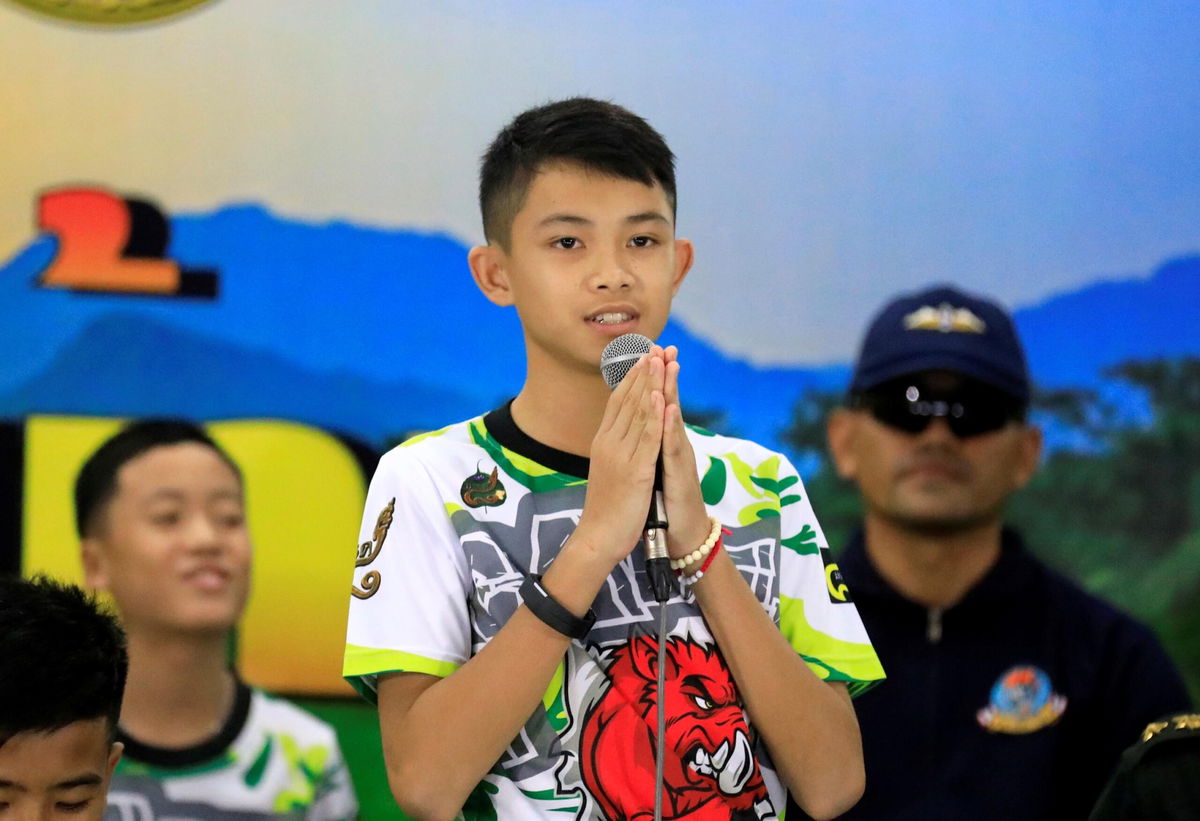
(641, 419)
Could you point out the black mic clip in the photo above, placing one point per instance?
(658, 560)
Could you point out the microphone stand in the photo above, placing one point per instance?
(662, 580)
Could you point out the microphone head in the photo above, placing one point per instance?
(621, 355)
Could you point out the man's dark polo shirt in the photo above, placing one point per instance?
(1014, 704)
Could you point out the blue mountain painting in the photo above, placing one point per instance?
(376, 333)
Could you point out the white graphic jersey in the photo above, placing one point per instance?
(271, 760)
(454, 522)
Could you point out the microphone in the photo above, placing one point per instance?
(618, 358)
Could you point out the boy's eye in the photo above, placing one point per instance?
(642, 242)
(165, 518)
(233, 520)
(228, 515)
(566, 242)
(72, 806)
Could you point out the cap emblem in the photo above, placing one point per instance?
(945, 318)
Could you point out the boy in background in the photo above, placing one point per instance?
(500, 614)
(62, 672)
(161, 512)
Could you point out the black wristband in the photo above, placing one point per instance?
(553, 614)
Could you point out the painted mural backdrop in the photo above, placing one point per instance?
(256, 215)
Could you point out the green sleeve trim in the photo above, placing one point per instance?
(420, 437)
(831, 659)
(367, 661)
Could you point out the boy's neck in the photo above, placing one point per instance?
(562, 408)
(179, 691)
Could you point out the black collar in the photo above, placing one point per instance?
(178, 757)
(504, 430)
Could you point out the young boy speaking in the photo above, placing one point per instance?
(501, 615)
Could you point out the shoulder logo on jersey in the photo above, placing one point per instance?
(710, 771)
(483, 490)
(1022, 701)
(839, 593)
(368, 551)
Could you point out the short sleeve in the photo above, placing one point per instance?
(408, 606)
(816, 611)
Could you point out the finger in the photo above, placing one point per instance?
(618, 412)
(649, 443)
(649, 412)
(676, 443)
(671, 383)
(658, 368)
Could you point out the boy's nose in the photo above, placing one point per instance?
(612, 275)
(203, 534)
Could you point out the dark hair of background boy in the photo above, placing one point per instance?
(598, 135)
(96, 483)
(64, 658)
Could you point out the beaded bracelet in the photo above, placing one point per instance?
(714, 536)
(699, 574)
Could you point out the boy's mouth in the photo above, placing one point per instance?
(610, 318)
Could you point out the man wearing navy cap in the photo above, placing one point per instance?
(1011, 691)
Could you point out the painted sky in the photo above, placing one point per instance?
(830, 153)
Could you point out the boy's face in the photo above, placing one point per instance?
(590, 257)
(58, 774)
(173, 548)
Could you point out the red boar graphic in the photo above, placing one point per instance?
(710, 771)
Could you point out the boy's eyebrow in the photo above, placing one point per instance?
(165, 493)
(575, 219)
(175, 494)
(87, 780)
(647, 216)
(5, 784)
(571, 219)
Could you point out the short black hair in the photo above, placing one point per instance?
(598, 135)
(96, 483)
(64, 658)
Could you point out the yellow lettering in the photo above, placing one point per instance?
(841, 590)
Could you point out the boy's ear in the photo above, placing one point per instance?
(114, 756)
(685, 255)
(95, 564)
(489, 268)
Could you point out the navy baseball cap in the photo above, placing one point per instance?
(945, 329)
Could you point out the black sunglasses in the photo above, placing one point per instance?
(970, 408)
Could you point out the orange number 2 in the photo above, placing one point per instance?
(94, 229)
